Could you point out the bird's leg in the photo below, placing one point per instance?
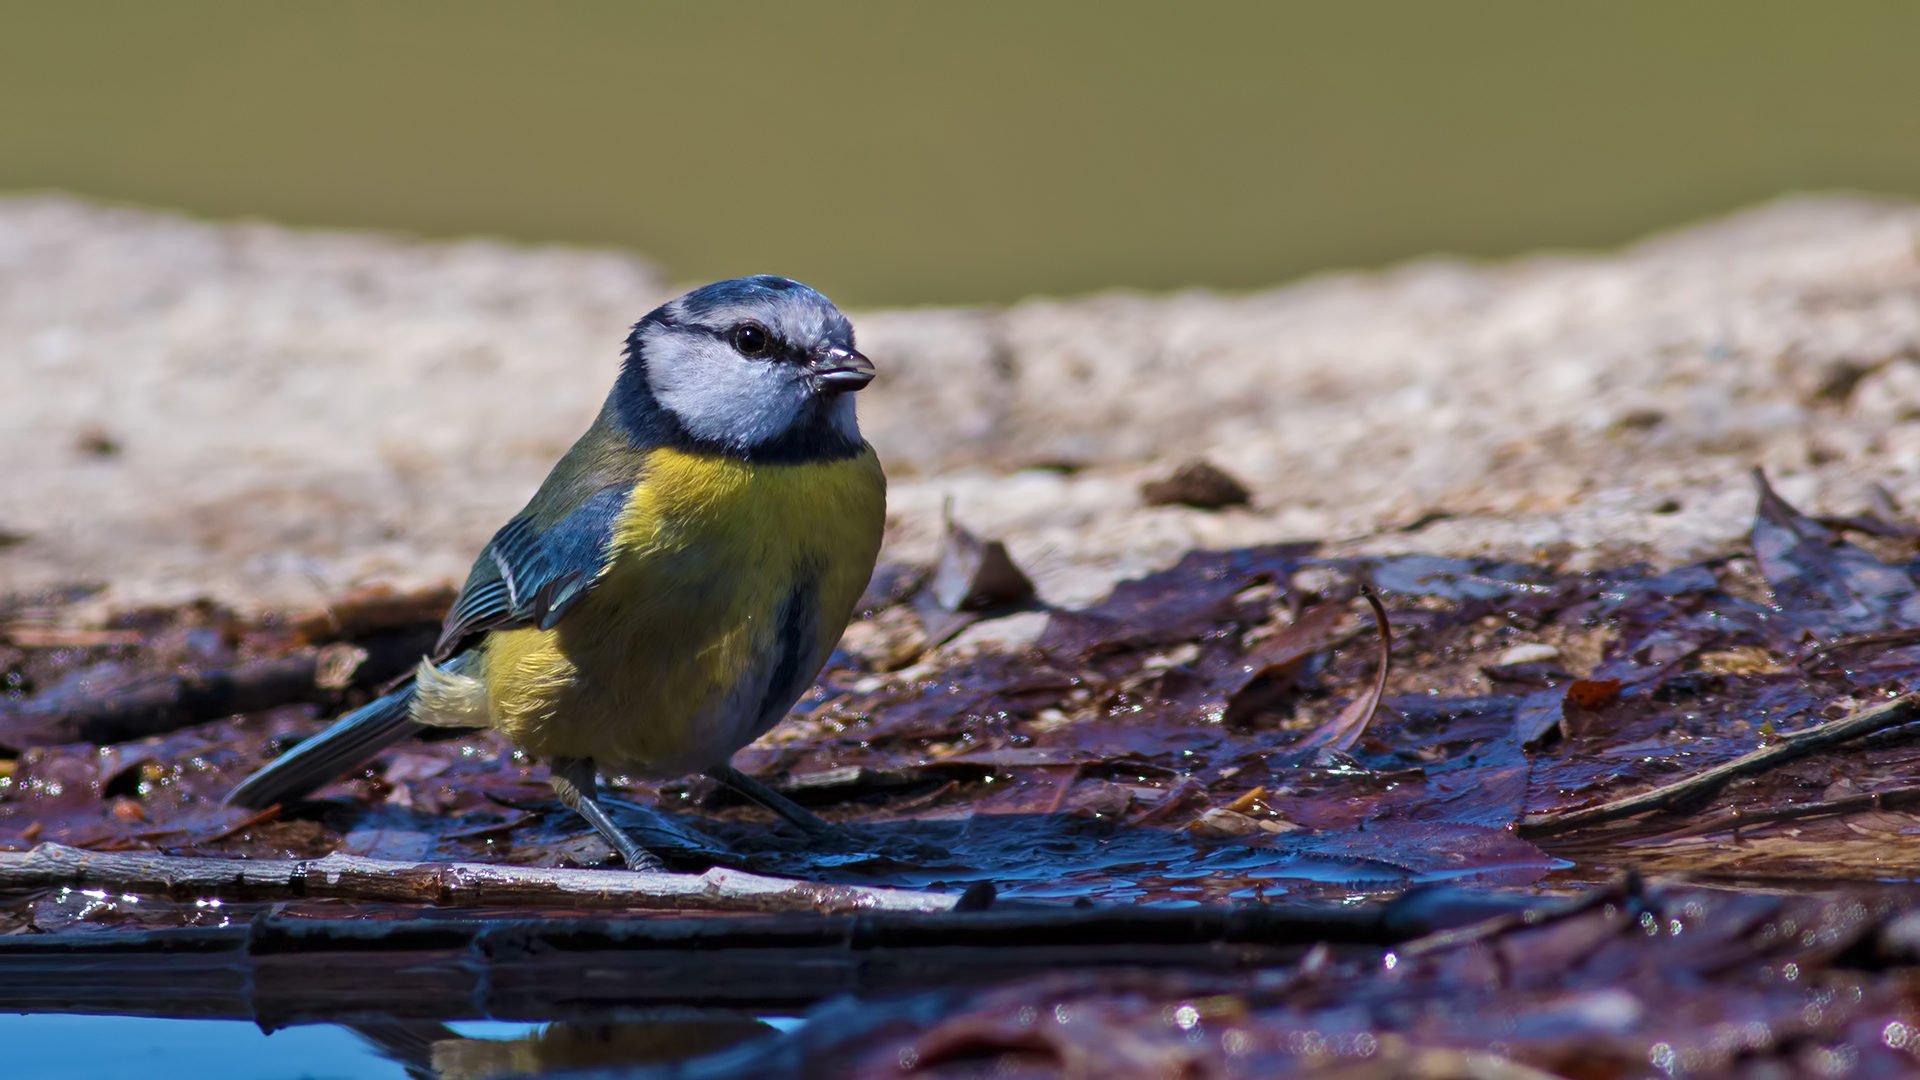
(578, 786)
(803, 819)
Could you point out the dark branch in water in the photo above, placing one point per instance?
(281, 970)
(351, 877)
(1699, 788)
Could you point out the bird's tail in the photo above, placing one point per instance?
(352, 741)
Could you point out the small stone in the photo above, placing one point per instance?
(1531, 653)
(95, 442)
(1198, 484)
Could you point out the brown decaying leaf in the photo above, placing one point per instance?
(1594, 693)
(971, 577)
(1274, 664)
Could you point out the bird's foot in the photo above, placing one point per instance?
(816, 827)
(578, 786)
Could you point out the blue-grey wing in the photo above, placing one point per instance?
(530, 576)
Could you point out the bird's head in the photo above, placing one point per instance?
(760, 367)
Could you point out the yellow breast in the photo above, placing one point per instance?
(718, 568)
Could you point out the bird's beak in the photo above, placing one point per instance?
(842, 371)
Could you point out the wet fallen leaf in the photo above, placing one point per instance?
(1593, 694)
(972, 576)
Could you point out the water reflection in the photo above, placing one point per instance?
(46, 1046)
(434, 1051)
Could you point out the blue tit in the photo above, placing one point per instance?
(679, 579)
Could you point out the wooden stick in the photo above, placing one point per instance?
(352, 877)
(1704, 785)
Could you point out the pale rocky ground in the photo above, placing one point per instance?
(293, 413)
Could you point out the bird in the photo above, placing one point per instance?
(676, 582)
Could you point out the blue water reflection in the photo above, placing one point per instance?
(53, 1047)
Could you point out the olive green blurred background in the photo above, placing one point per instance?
(901, 153)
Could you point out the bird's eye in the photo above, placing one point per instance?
(752, 339)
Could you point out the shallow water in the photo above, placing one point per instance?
(68, 1047)
(43, 1047)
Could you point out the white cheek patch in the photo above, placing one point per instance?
(716, 394)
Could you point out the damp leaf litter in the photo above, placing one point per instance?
(1264, 810)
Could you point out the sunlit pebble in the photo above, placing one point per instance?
(128, 810)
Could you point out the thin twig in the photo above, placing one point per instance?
(271, 813)
(495, 828)
(352, 877)
(1890, 638)
(919, 801)
(1889, 799)
(1705, 785)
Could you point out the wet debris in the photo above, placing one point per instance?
(1211, 751)
(1114, 759)
(1199, 484)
